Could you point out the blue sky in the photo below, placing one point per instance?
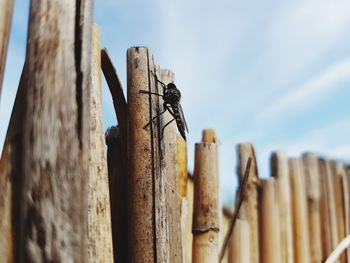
(276, 74)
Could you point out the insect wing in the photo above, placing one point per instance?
(182, 116)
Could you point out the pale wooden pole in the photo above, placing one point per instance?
(313, 194)
(346, 194)
(249, 208)
(182, 189)
(11, 174)
(206, 206)
(299, 208)
(170, 173)
(270, 243)
(100, 247)
(6, 11)
(147, 202)
(279, 169)
(324, 208)
(239, 245)
(339, 172)
(50, 222)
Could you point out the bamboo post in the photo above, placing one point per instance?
(269, 222)
(100, 247)
(346, 194)
(206, 206)
(324, 207)
(313, 194)
(182, 189)
(10, 174)
(51, 222)
(6, 11)
(239, 246)
(147, 206)
(116, 139)
(299, 208)
(279, 169)
(170, 174)
(249, 208)
(339, 172)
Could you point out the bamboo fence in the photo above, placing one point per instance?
(63, 198)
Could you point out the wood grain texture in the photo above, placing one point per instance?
(170, 173)
(279, 170)
(299, 208)
(239, 245)
(270, 243)
(55, 133)
(147, 202)
(313, 195)
(99, 229)
(6, 11)
(205, 226)
(249, 210)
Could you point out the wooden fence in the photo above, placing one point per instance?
(62, 199)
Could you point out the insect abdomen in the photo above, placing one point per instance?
(179, 123)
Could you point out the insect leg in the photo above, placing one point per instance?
(148, 92)
(165, 126)
(154, 119)
(157, 80)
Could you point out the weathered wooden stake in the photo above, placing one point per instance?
(299, 208)
(147, 202)
(170, 174)
(313, 194)
(6, 11)
(270, 243)
(239, 246)
(279, 169)
(51, 169)
(249, 208)
(324, 207)
(99, 230)
(206, 205)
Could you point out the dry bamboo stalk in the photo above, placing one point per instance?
(324, 207)
(169, 170)
(339, 172)
(269, 222)
(346, 194)
(299, 210)
(55, 134)
(147, 206)
(208, 135)
(279, 168)
(313, 194)
(6, 11)
(10, 174)
(206, 207)
(99, 230)
(331, 204)
(182, 188)
(239, 246)
(249, 207)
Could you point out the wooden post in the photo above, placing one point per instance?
(299, 208)
(11, 175)
(170, 174)
(279, 169)
(339, 172)
(116, 139)
(6, 10)
(346, 194)
(324, 207)
(239, 249)
(249, 208)
(147, 229)
(206, 206)
(100, 247)
(50, 218)
(313, 194)
(269, 222)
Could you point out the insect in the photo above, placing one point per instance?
(171, 97)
